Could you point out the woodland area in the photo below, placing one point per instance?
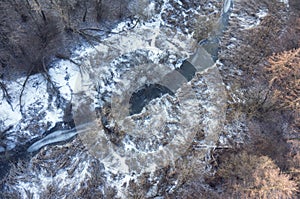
(47, 29)
(266, 164)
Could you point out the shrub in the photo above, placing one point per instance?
(250, 176)
(283, 73)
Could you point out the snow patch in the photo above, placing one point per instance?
(246, 21)
(10, 114)
(65, 74)
(286, 2)
(41, 180)
(36, 107)
(121, 183)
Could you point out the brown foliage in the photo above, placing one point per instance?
(294, 161)
(283, 73)
(268, 140)
(268, 105)
(250, 176)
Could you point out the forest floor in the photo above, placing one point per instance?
(46, 46)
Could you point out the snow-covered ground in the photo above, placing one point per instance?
(101, 73)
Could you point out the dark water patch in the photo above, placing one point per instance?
(142, 97)
(211, 45)
(187, 70)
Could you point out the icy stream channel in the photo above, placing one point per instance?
(110, 151)
(155, 51)
(109, 81)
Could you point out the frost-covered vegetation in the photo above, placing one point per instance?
(255, 154)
